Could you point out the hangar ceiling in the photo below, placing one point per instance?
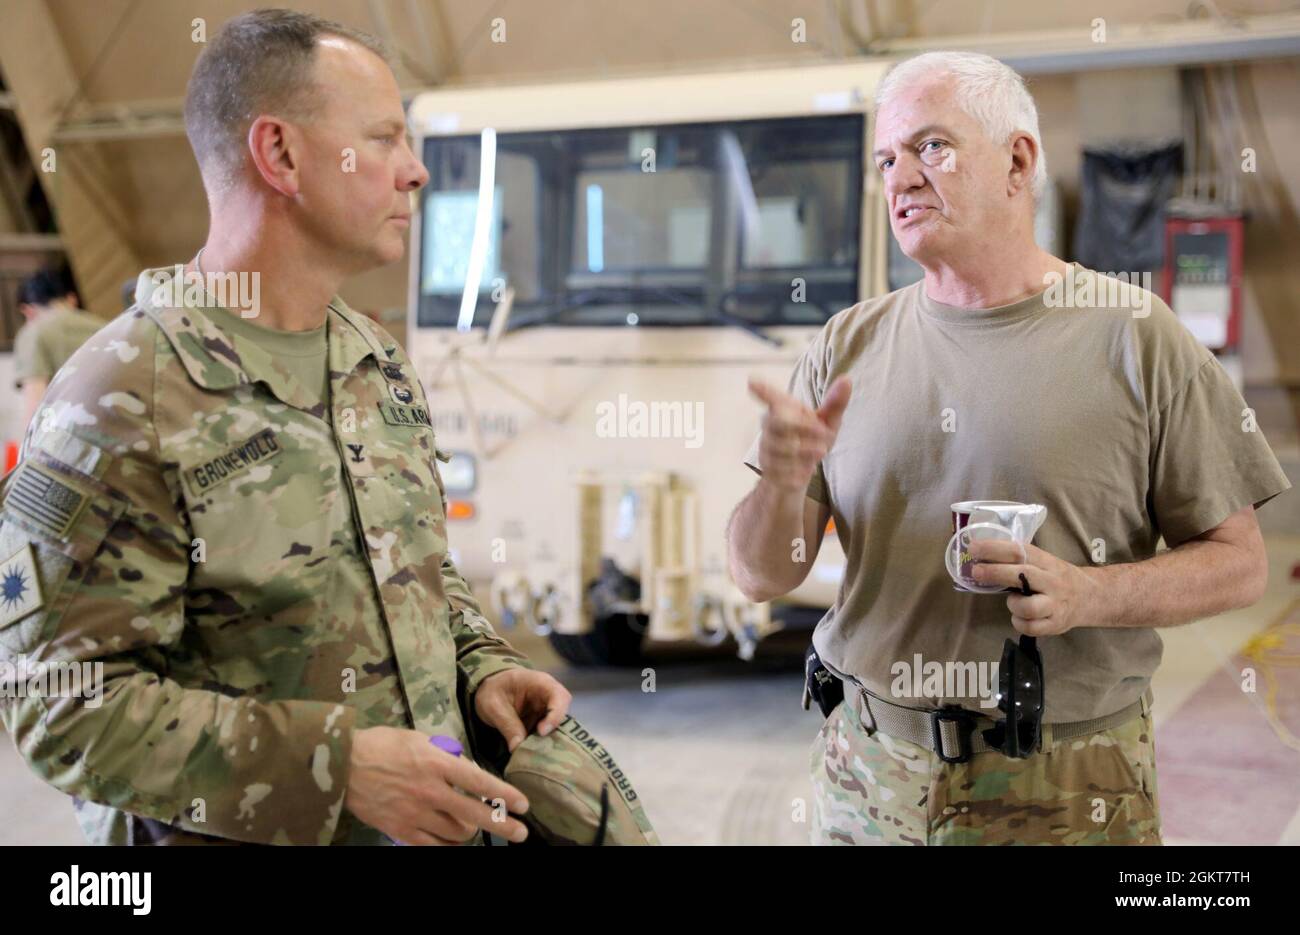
(99, 82)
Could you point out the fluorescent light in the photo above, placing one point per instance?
(595, 228)
(482, 221)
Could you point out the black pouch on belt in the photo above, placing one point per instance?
(820, 684)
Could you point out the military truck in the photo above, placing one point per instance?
(597, 269)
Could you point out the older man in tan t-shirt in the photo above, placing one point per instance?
(1006, 374)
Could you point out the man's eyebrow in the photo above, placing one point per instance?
(392, 125)
(927, 130)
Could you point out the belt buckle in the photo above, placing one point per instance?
(965, 722)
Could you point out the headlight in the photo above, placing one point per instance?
(460, 474)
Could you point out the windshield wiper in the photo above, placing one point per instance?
(716, 313)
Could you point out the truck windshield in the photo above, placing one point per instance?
(748, 222)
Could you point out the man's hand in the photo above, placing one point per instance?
(795, 437)
(1066, 596)
(518, 701)
(415, 793)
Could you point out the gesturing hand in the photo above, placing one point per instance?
(796, 437)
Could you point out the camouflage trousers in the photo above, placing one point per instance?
(869, 788)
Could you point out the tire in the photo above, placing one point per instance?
(614, 640)
(798, 616)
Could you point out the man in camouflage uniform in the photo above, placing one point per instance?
(244, 523)
(56, 326)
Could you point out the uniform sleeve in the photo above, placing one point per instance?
(97, 557)
(807, 384)
(480, 652)
(1209, 458)
(27, 362)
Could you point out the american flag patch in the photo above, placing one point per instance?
(41, 498)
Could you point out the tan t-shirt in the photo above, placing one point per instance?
(44, 345)
(300, 353)
(1124, 427)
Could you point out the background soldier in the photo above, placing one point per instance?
(56, 326)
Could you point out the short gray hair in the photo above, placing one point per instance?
(991, 92)
(259, 63)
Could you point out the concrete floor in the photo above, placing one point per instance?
(719, 753)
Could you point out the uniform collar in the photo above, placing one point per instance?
(353, 338)
(217, 361)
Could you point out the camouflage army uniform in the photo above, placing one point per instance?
(869, 788)
(258, 579)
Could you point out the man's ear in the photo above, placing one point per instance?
(1024, 159)
(271, 141)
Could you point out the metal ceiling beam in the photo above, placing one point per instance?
(1194, 42)
(430, 27)
(30, 243)
(123, 122)
(1154, 45)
